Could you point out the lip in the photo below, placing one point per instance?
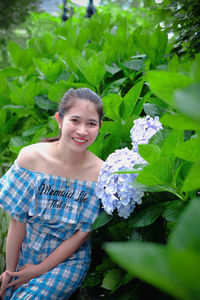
(79, 141)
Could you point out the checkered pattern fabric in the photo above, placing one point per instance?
(53, 208)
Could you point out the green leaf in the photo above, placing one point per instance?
(112, 69)
(80, 63)
(12, 72)
(44, 103)
(17, 143)
(15, 94)
(32, 130)
(98, 145)
(174, 138)
(165, 88)
(149, 152)
(113, 127)
(173, 64)
(160, 137)
(54, 71)
(15, 52)
(172, 210)
(111, 279)
(102, 219)
(187, 234)
(174, 271)
(3, 84)
(41, 64)
(146, 216)
(130, 99)
(57, 90)
(95, 74)
(157, 173)
(187, 100)
(195, 68)
(189, 150)
(136, 64)
(111, 105)
(153, 110)
(192, 181)
(30, 90)
(25, 59)
(179, 122)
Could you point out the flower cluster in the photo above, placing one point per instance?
(143, 130)
(117, 191)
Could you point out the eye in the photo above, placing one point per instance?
(74, 120)
(92, 124)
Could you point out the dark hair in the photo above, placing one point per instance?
(67, 102)
(81, 93)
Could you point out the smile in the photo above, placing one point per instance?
(79, 140)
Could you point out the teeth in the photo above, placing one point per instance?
(80, 141)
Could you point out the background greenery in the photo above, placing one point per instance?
(128, 58)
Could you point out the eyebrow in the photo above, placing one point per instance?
(91, 120)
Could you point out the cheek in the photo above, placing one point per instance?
(95, 132)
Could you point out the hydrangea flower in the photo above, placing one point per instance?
(116, 190)
(143, 130)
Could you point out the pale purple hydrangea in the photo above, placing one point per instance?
(116, 190)
(143, 130)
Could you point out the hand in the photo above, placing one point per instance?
(4, 280)
(24, 275)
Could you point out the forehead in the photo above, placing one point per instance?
(82, 107)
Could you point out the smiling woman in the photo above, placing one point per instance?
(50, 194)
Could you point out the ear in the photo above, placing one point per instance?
(58, 119)
(101, 123)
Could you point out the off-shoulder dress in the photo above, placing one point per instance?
(54, 208)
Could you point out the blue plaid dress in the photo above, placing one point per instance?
(53, 208)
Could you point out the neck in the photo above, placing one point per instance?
(66, 156)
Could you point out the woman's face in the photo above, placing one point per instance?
(80, 125)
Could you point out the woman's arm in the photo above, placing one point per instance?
(14, 241)
(62, 252)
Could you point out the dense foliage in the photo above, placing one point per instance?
(183, 18)
(155, 253)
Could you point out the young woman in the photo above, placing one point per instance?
(49, 193)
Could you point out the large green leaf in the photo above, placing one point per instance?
(12, 72)
(149, 152)
(189, 150)
(102, 219)
(15, 52)
(163, 84)
(179, 122)
(157, 173)
(3, 83)
(174, 271)
(130, 100)
(94, 74)
(174, 138)
(44, 103)
(188, 101)
(113, 127)
(112, 104)
(146, 216)
(112, 279)
(187, 234)
(172, 210)
(25, 59)
(192, 181)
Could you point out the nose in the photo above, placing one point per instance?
(82, 129)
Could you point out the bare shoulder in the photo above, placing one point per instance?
(96, 165)
(30, 155)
